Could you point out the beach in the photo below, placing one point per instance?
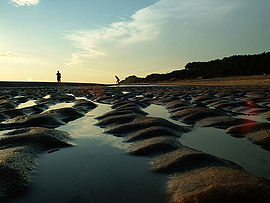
(136, 143)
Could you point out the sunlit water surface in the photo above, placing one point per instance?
(26, 104)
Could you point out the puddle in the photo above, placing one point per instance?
(161, 111)
(239, 150)
(80, 128)
(215, 141)
(97, 169)
(3, 133)
(59, 105)
(26, 104)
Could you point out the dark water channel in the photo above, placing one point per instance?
(97, 169)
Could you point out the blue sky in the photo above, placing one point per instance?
(93, 40)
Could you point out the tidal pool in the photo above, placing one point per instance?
(26, 104)
(97, 169)
(215, 141)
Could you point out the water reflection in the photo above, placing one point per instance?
(160, 111)
(26, 104)
(84, 128)
(94, 170)
(214, 141)
(60, 105)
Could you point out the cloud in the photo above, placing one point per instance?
(18, 58)
(18, 3)
(91, 42)
(147, 24)
(8, 54)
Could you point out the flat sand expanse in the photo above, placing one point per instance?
(19, 84)
(256, 80)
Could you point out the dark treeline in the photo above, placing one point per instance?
(239, 65)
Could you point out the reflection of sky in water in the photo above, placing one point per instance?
(214, 141)
(26, 104)
(94, 170)
(4, 132)
(90, 172)
(97, 169)
(160, 111)
(84, 128)
(60, 105)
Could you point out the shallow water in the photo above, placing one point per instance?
(161, 111)
(4, 132)
(215, 141)
(239, 150)
(60, 105)
(97, 169)
(26, 104)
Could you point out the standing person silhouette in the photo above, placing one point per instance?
(58, 76)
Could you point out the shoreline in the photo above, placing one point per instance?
(18, 84)
(255, 80)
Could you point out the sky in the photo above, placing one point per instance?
(94, 40)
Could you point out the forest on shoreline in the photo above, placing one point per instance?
(237, 65)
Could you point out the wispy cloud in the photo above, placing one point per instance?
(91, 43)
(146, 24)
(8, 54)
(19, 58)
(18, 3)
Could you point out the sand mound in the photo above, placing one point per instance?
(175, 104)
(153, 146)
(222, 122)
(218, 184)
(261, 137)
(19, 151)
(196, 116)
(7, 104)
(119, 119)
(84, 105)
(120, 112)
(65, 114)
(240, 130)
(201, 98)
(12, 113)
(143, 123)
(35, 120)
(195, 112)
(153, 131)
(186, 158)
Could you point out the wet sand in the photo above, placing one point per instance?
(107, 144)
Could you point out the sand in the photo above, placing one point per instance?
(154, 137)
